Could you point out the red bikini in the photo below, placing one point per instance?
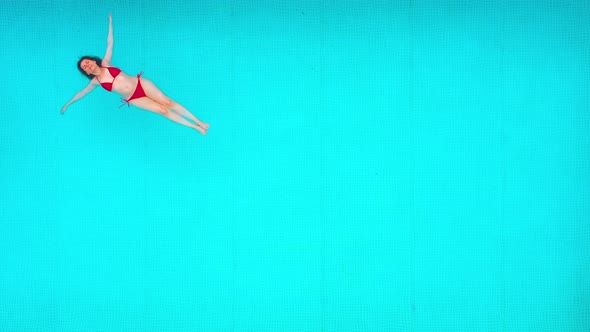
(138, 93)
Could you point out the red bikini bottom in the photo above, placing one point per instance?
(138, 93)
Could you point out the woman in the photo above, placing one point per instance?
(137, 91)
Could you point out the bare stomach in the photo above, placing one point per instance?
(125, 84)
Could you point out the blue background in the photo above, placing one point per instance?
(370, 166)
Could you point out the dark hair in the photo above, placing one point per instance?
(89, 57)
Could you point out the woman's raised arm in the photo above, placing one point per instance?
(109, 52)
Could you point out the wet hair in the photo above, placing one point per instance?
(89, 57)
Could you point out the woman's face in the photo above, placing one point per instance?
(88, 65)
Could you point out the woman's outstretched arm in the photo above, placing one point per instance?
(80, 95)
(109, 52)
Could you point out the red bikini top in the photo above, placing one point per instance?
(114, 71)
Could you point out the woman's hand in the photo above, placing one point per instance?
(63, 110)
(110, 17)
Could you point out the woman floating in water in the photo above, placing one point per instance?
(138, 91)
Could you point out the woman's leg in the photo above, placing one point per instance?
(154, 93)
(184, 112)
(152, 106)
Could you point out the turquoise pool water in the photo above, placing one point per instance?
(371, 166)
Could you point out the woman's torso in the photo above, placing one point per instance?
(121, 83)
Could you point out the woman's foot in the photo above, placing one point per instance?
(201, 129)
